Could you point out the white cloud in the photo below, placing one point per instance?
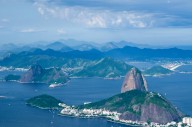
(90, 17)
(41, 11)
(96, 21)
(30, 30)
(61, 31)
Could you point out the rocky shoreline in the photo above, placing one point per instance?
(72, 111)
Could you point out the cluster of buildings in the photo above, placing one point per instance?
(187, 121)
(114, 116)
(71, 110)
(12, 69)
(173, 66)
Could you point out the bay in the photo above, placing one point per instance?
(15, 113)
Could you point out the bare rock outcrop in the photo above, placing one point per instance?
(134, 80)
(33, 74)
(151, 112)
(37, 74)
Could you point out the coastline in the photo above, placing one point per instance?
(115, 78)
(53, 85)
(159, 75)
(43, 108)
(3, 68)
(112, 116)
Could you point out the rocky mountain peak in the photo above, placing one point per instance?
(33, 74)
(37, 69)
(38, 74)
(134, 80)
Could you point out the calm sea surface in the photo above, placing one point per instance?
(14, 113)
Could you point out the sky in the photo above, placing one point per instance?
(163, 22)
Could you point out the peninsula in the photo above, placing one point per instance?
(157, 71)
(135, 105)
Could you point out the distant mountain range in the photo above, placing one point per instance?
(71, 44)
(76, 63)
(50, 57)
(109, 63)
(105, 67)
(58, 46)
(147, 53)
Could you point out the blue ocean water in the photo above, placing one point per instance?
(14, 112)
(176, 88)
(185, 68)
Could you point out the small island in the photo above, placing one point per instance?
(157, 71)
(44, 102)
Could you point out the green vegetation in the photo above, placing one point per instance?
(12, 77)
(24, 61)
(130, 101)
(106, 67)
(158, 100)
(157, 70)
(121, 102)
(75, 63)
(54, 75)
(44, 101)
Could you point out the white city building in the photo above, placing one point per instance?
(187, 120)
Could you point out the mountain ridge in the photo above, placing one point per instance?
(105, 67)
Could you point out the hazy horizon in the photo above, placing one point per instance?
(98, 44)
(165, 22)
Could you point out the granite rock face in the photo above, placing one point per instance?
(158, 114)
(33, 74)
(139, 105)
(153, 112)
(134, 80)
(37, 74)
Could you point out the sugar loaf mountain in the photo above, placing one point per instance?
(135, 104)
